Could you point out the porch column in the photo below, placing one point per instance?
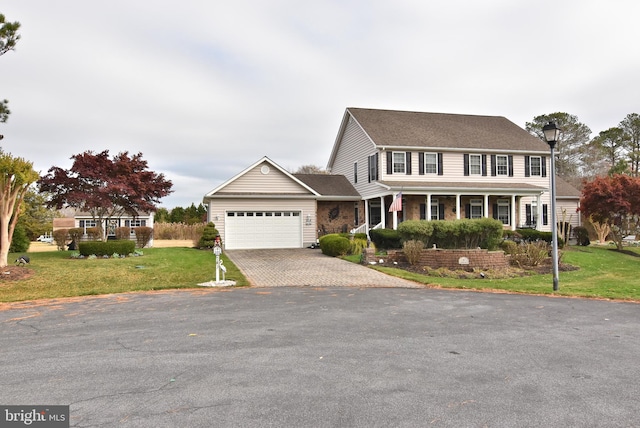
(458, 206)
(486, 205)
(513, 212)
(366, 216)
(394, 214)
(383, 214)
(539, 212)
(427, 211)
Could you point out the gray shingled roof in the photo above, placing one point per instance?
(329, 185)
(440, 130)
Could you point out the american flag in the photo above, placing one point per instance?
(397, 204)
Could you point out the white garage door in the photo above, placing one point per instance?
(263, 229)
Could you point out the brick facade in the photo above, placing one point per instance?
(337, 217)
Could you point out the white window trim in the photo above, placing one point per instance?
(471, 164)
(434, 163)
(506, 165)
(402, 155)
(531, 173)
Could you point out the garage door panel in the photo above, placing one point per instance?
(271, 229)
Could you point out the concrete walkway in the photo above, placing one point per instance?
(307, 267)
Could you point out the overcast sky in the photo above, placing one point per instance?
(206, 88)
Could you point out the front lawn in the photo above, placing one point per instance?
(603, 273)
(55, 274)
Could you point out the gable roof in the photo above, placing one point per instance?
(328, 185)
(298, 185)
(408, 129)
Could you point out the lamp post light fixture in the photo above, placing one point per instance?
(551, 135)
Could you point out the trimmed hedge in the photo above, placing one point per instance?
(453, 234)
(385, 239)
(532, 235)
(334, 245)
(100, 248)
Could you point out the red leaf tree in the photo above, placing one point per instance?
(105, 187)
(615, 201)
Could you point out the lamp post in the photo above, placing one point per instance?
(551, 134)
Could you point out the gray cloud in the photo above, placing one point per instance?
(204, 89)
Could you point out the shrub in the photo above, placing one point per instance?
(123, 233)
(208, 238)
(357, 246)
(94, 233)
(143, 235)
(509, 247)
(529, 254)
(532, 235)
(75, 234)
(385, 239)
(582, 235)
(334, 245)
(20, 241)
(106, 248)
(420, 230)
(61, 236)
(412, 250)
(360, 236)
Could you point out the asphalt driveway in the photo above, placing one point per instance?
(325, 357)
(302, 267)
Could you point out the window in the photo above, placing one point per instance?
(475, 210)
(503, 211)
(399, 162)
(373, 167)
(356, 213)
(430, 163)
(475, 165)
(435, 210)
(84, 224)
(135, 223)
(535, 166)
(502, 165)
(532, 214)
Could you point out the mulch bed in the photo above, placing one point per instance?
(15, 273)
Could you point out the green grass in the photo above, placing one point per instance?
(603, 273)
(57, 275)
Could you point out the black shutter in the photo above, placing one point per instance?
(467, 209)
(529, 220)
(421, 163)
(376, 162)
(527, 166)
(545, 215)
(369, 161)
(484, 165)
(389, 162)
(440, 170)
(423, 211)
(510, 166)
(494, 167)
(466, 164)
(408, 167)
(441, 211)
(495, 211)
(543, 165)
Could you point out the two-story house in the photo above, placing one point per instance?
(438, 166)
(447, 166)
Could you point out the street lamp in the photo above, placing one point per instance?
(551, 134)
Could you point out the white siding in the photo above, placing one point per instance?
(274, 181)
(355, 146)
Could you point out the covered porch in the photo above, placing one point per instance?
(517, 206)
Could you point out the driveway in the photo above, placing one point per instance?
(325, 357)
(299, 267)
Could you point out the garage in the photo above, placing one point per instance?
(263, 229)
